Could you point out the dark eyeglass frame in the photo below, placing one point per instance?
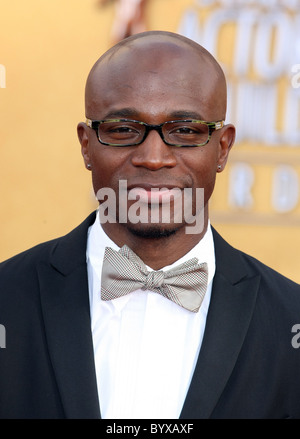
(212, 126)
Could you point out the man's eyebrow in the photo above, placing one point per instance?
(185, 114)
(132, 113)
(121, 113)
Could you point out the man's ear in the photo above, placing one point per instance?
(82, 132)
(226, 142)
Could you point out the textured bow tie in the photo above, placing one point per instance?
(123, 272)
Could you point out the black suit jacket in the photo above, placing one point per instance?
(247, 366)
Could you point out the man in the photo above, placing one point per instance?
(155, 109)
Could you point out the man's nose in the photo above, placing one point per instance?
(154, 153)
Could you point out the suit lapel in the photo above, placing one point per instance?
(232, 302)
(65, 305)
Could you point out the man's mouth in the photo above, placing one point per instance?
(154, 194)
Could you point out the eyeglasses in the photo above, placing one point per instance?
(126, 132)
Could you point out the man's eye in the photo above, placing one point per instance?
(185, 130)
(123, 129)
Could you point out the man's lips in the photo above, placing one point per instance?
(154, 194)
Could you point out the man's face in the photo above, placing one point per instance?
(148, 85)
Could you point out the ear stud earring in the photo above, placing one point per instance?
(89, 166)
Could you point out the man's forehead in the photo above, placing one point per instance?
(150, 58)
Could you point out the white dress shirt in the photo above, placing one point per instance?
(146, 347)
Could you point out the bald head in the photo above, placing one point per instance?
(158, 39)
(151, 53)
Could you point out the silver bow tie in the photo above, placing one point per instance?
(123, 272)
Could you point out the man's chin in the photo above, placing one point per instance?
(152, 232)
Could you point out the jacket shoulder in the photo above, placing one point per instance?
(237, 266)
(26, 261)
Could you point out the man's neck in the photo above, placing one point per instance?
(155, 252)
